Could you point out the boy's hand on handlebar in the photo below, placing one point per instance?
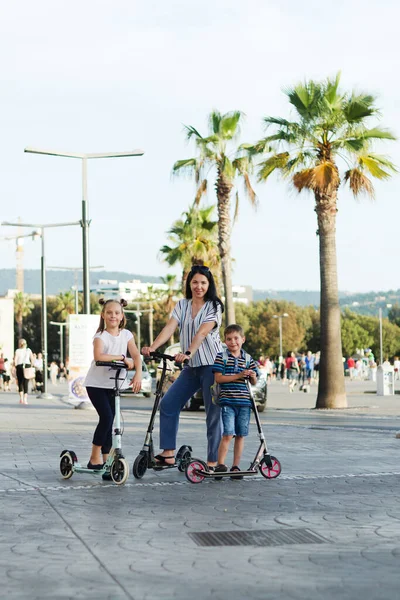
(129, 363)
(136, 384)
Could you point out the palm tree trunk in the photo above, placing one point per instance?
(19, 322)
(223, 188)
(331, 388)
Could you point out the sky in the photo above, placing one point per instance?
(97, 76)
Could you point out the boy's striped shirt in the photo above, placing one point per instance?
(235, 392)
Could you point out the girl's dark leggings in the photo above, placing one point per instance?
(104, 402)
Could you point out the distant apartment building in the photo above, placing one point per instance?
(135, 289)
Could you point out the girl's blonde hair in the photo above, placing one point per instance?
(104, 303)
(22, 343)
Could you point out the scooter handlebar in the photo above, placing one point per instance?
(161, 356)
(113, 364)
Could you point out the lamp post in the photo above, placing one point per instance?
(61, 334)
(84, 223)
(280, 317)
(381, 333)
(39, 232)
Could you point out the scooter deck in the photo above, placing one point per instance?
(213, 474)
(81, 469)
(163, 467)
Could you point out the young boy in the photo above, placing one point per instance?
(234, 396)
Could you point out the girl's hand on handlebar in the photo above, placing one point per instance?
(129, 363)
(136, 384)
(147, 350)
(180, 358)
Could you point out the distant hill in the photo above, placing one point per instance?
(60, 281)
(366, 303)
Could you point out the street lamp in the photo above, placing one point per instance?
(39, 232)
(381, 333)
(84, 223)
(61, 334)
(280, 317)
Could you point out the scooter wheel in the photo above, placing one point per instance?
(193, 469)
(66, 465)
(119, 471)
(184, 458)
(140, 466)
(270, 472)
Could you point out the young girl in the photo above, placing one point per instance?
(111, 342)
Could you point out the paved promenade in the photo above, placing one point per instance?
(331, 520)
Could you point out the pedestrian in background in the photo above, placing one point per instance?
(23, 359)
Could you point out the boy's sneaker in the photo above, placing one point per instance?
(236, 468)
(220, 469)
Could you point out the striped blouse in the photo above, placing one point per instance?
(188, 328)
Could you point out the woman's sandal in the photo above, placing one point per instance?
(161, 461)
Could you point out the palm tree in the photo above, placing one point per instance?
(330, 126)
(23, 307)
(194, 239)
(215, 154)
(65, 305)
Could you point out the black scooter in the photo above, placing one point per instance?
(146, 460)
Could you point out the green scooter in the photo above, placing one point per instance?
(116, 465)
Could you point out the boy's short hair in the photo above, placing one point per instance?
(234, 329)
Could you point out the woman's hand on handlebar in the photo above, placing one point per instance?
(180, 358)
(147, 350)
(129, 363)
(136, 384)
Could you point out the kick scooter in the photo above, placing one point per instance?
(269, 466)
(146, 459)
(116, 465)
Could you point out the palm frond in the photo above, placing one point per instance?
(227, 167)
(373, 163)
(331, 92)
(378, 134)
(201, 190)
(359, 183)
(277, 161)
(191, 131)
(305, 98)
(358, 108)
(229, 125)
(302, 179)
(323, 177)
(236, 212)
(187, 165)
(257, 148)
(214, 121)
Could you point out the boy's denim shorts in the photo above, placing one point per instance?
(235, 420)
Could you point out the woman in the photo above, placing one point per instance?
(23, 358)
(292, 370)
(199, 318)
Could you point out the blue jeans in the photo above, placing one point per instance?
(189, 381)
(235, 420)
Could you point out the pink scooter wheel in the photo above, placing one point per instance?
(270, 472)
(193, 469)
